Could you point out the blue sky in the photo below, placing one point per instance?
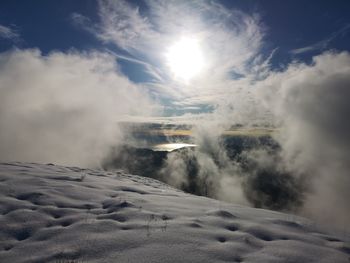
(269, 34)
(289, 24)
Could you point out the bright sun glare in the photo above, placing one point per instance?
(185, 59)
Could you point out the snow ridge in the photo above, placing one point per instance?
(52, 213)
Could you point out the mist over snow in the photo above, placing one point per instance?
(303, 170)
(310, 169)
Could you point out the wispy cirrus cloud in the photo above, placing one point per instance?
(230, 41)
(8, 33)
(322, 44)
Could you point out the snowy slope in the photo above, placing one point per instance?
(53, 213)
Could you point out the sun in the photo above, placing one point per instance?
(185, 59)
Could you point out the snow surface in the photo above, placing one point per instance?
(53, 213)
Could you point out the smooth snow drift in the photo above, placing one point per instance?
(53, 213)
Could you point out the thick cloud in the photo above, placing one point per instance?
(311, 103)
(63, 107)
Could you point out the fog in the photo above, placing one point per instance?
(311, 103)
(63, 107)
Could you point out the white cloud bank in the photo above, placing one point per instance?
(63, 107)
(311, 103)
